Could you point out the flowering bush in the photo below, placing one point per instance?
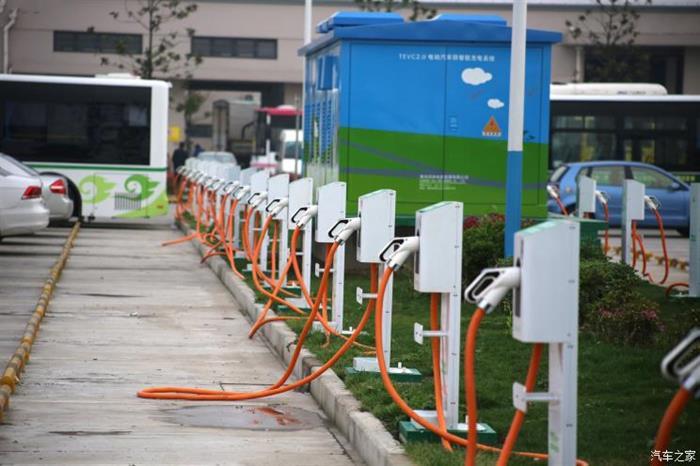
(612, 308)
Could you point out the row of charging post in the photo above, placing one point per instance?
(543, 279)
(634, 202)
(436, 250)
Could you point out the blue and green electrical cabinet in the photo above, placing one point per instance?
(422, 108)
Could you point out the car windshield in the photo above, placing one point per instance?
(558, 174)
(15, 167)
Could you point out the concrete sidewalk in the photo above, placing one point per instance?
(129, 314)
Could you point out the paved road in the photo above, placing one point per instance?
(677, 249)
(24, 266)
(129, 314)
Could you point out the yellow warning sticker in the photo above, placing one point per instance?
(491, 128)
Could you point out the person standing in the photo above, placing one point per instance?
(179, 156)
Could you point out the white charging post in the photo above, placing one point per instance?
(632, 210)
(694, 242)
(438, 269)
(301, 194)
(258, 196)
(544, 279)
(331, 208)
(244, 180)
(278, 195)
(374, 227)
(586, 196)
(230, 173)
(545, 310)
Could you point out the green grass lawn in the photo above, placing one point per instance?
(622, 395)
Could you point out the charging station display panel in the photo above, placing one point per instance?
(301, 194)
(545, 306)
(438, 262)
(377, 211)
(278, 188)
(258, 183)
(331, 208)
(246, 174)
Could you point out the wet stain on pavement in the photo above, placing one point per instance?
(84, 433)
(249, 417)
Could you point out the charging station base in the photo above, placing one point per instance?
(411, 433)
(370, 365)
(396, 374)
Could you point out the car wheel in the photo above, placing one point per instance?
(77, 199)
(685, 232)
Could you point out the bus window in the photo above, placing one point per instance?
(651, 178)
(609, 175)
(50, 122)
(581, 146)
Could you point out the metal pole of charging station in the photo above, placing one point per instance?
(632, 209)
(516, 102)
(694, 242)
(278, 188)
(301, 195)
(585, 196)
(330, 199)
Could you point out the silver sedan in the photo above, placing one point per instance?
(54, 188)
(22, 209)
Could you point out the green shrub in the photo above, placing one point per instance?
(612, 308)
(482, 244)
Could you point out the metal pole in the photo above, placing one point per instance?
(297, 127)
(307, 38)
(307, 21)
(514, 169)
(694, 241)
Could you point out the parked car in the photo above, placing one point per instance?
(22, 209)
(218, 156)
(672, 193)
(54, 187)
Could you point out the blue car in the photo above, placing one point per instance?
(672, 193)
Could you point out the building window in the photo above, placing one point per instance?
(96, 42)
(228, 47)
(662, 65)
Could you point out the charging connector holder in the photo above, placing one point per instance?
(682, 363)
(491, 286)
(652, 202)
(553, 191)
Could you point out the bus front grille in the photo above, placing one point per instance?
(127, 201)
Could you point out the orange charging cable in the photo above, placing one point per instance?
(519, 416)
(195, 394)
(396, 397)
(668, 422)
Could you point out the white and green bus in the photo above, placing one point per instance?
(107, 135)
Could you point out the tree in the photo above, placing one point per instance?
(610, 30)
(189, 107)
(160, 56)
(418, 10)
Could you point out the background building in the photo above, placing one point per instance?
(250, 47)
